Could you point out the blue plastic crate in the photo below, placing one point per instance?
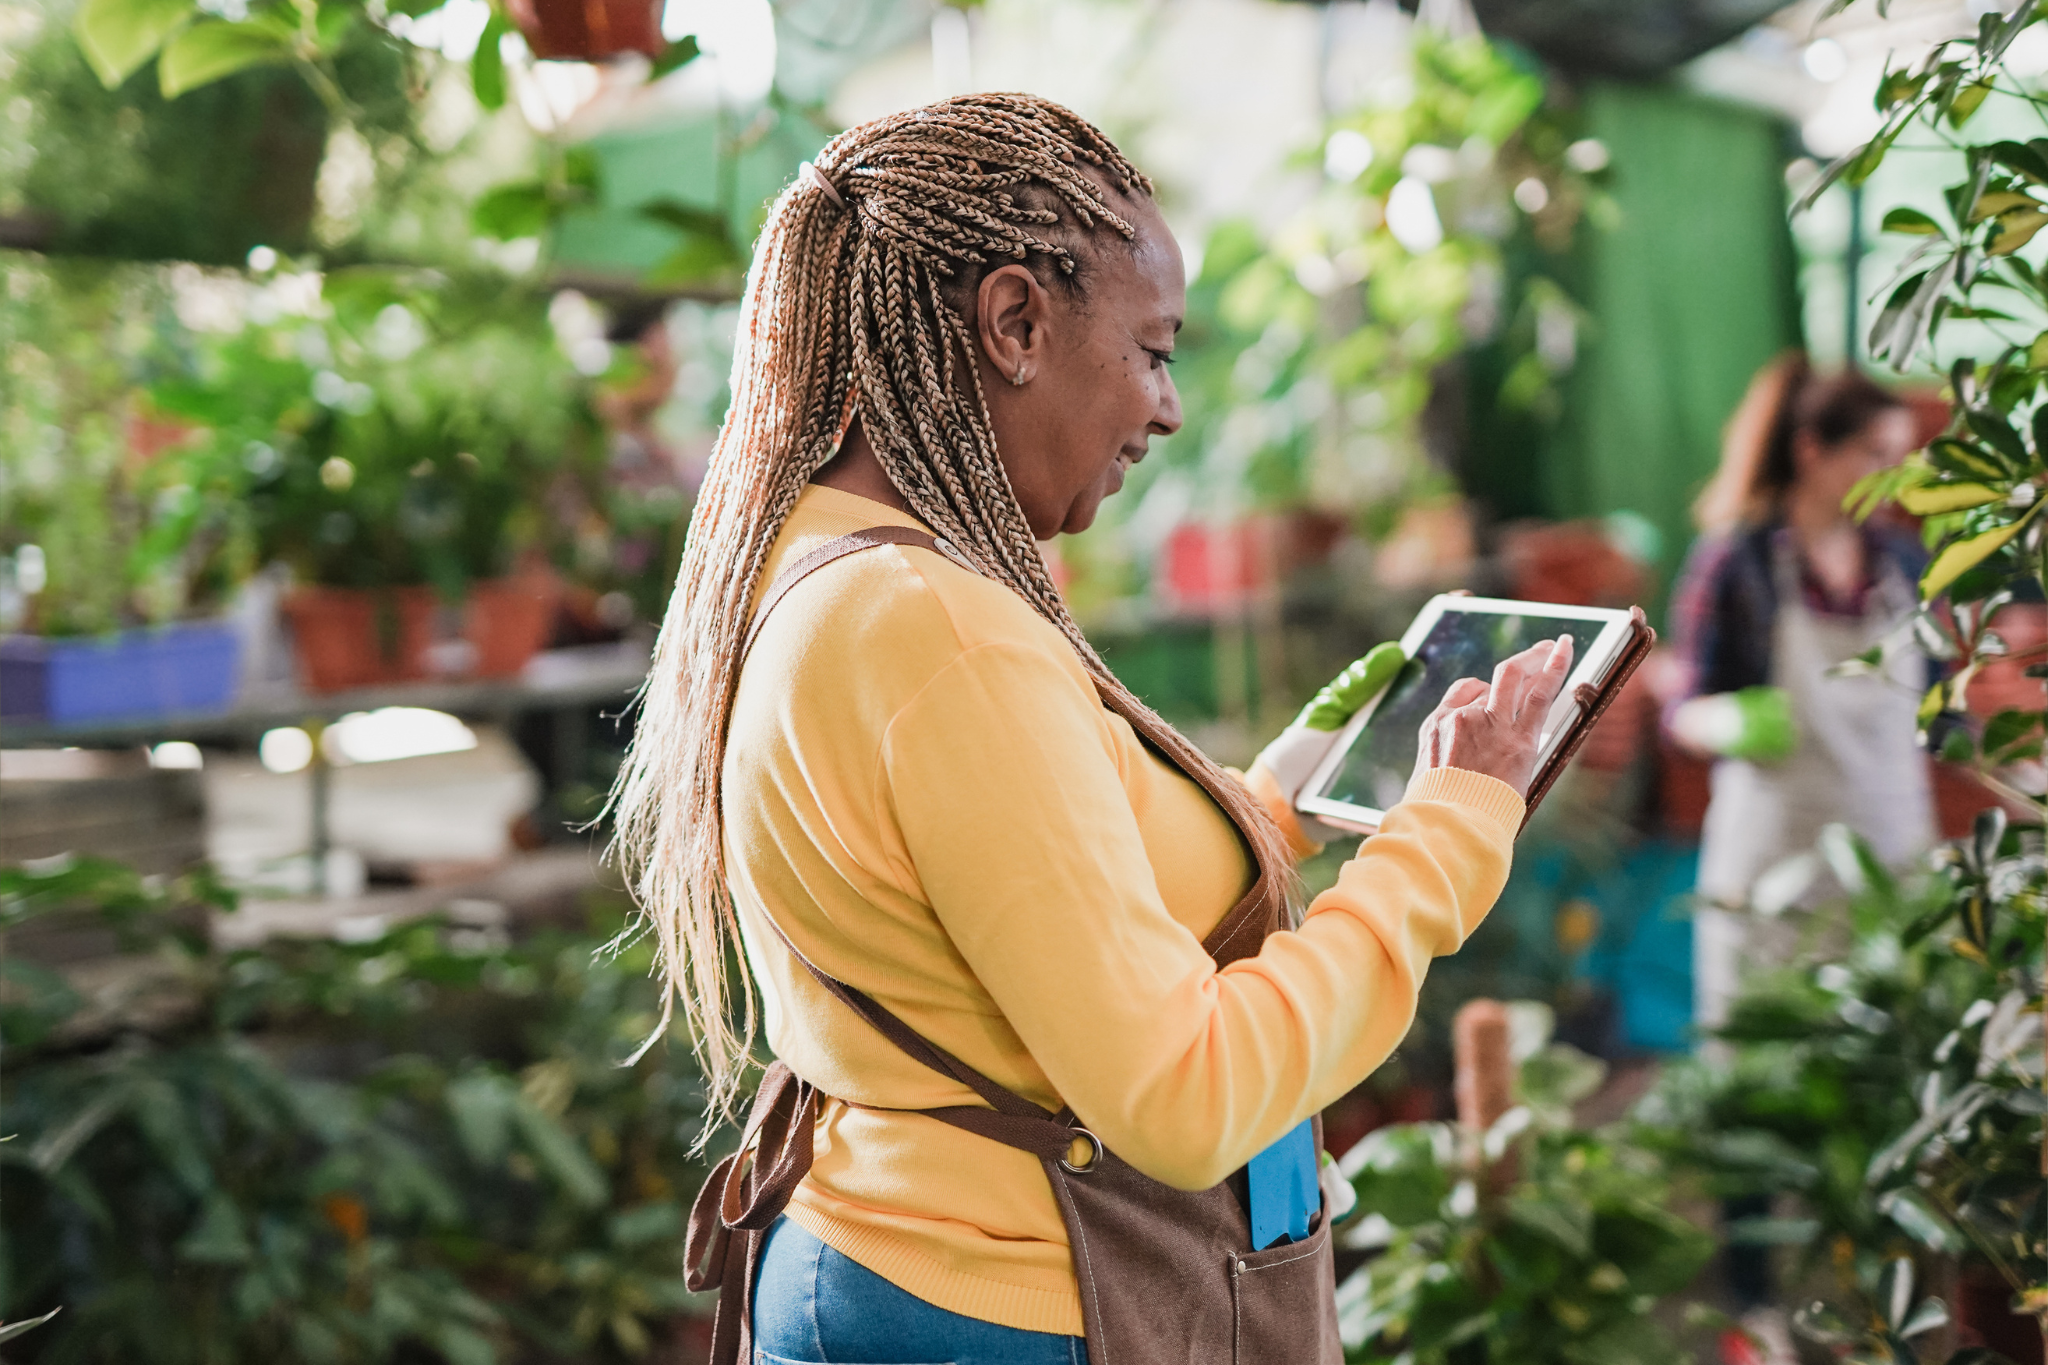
(168, 670)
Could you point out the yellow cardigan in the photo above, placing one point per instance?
(923, 787)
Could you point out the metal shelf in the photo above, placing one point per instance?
(554, 680)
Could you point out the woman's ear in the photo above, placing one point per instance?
(1013, 316)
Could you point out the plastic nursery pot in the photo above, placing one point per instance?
(182, 669)
(589, 30)
(509, 620)
(360, 637)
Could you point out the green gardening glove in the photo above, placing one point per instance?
(1753, 724)
(1302, 746)
(1358, 684)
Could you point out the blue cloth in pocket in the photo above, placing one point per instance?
(1284, 1189)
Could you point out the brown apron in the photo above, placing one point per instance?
(1167, 1276)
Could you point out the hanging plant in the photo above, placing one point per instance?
(589, 30)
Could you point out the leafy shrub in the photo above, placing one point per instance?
(1537, 1242)
(420, 1146)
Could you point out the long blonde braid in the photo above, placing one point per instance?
(855, 301)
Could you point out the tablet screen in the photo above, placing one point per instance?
(1462, 644)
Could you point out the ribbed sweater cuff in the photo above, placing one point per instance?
(1462, 787)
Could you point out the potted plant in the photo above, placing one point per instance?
(113, 565)
(589, 30)
(395, 448)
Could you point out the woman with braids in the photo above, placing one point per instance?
(1050, 1033)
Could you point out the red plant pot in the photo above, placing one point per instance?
(360, 637)
(509, 620)
(1984, 1317)
(589, 30)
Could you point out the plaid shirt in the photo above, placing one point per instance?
(1724, 612)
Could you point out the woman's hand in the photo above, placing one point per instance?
(1496, 728)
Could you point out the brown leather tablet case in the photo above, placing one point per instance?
(1593, 704)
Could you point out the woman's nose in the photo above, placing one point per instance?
(1168, 419)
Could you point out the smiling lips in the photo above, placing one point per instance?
(1122, 464)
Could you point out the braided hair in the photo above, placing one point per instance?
(860, 299)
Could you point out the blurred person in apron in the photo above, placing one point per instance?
(1782, 586)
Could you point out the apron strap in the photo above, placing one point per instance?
(832, 550)
(744, 1195)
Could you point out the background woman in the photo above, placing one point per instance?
(1783, 586)
(932, 816)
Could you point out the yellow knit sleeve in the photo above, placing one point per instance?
(1002, 778)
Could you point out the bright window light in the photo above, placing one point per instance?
(452, 29)
(1411, 216)
(737, 37)
(395, 732)
(1346, 155)
(177, 754)
(1825, 61)
(285, 750)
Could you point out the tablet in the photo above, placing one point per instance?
(1455, 637)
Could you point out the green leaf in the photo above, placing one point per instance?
(1959, 556)
(1911, 221)
(1920, 1220)
(2025, 158)
(1959, 457)
(1565, 1223)
(487, 67)
(1897, 87)
(14, 1329)
(117, 36)
(675, 56)
(1399, 1172)
(1931, 704)
(2001, 201)
(481, 1105)
(2015, 230)
(1997, 433)
(506, 212)
(2008, 728)
(1966, 102)
(217, 1238)
(1865, 161)
(461, 1345)
(556, 1149)
(1930, 499)
(208, 51)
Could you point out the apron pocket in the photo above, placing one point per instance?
(1281, 1304)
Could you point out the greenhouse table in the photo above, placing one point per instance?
(563, 683)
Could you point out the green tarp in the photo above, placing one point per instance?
(1690, 292)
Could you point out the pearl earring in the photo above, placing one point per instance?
(1017, 379)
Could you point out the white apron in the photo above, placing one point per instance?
(1857, 761)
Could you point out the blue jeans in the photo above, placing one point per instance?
(815, 1306)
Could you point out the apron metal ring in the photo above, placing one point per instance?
(1094, 1153)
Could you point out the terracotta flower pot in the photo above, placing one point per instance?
(509, 620)
(589, 30)
(360, 637)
